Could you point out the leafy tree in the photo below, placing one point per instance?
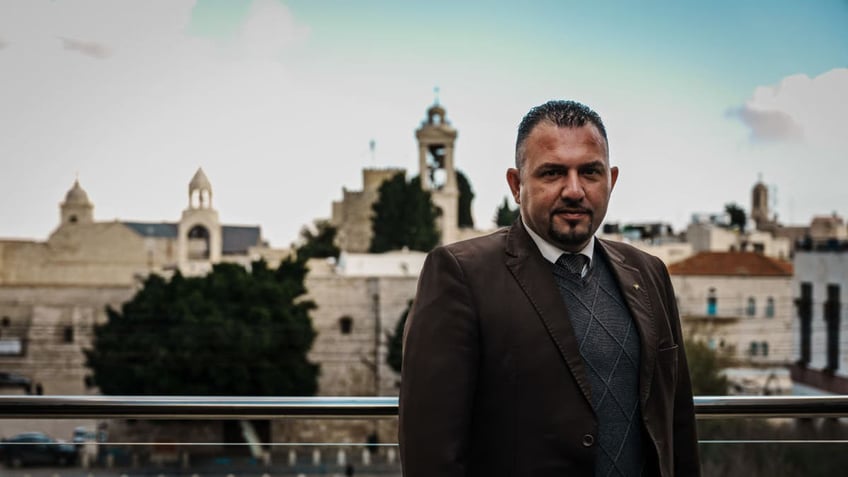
(231, 332)
(466, 195)
(705, 367)
(505, 215)
(737, 215)
(318, 242)
(394, 358)
(404, 216)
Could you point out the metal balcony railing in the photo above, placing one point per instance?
(227, 407)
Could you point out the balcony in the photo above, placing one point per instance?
(750, 436)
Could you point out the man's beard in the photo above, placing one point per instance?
(572, 239)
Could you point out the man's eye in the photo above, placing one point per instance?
(592, 172)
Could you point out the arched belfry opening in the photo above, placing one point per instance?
(198, 243)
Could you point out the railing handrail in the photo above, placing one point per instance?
(231, 407)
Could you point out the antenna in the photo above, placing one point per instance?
(436, 90)
(372, 146)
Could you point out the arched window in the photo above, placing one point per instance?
(712, 302)
(751, 309)
(770, 307)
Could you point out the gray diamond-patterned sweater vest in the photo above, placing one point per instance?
(609, 344)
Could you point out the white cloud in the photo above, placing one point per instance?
(813, 110)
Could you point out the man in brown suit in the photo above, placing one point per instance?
(540, 350)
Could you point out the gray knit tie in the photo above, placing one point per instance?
(573, 262)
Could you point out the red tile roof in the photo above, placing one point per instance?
(741, 264)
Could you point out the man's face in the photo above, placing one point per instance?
(564, 184)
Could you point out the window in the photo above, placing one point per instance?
(68, 334)
(5, 322)
(805, 314)
(751, 308)
(770, 307)
(712, 302)
(764, 348)
(345, 325)
(832, 319)
(754, 348)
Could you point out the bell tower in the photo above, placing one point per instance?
(436, 138)
(199, 241)
(759, 205)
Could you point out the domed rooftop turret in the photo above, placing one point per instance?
(77, 208)
(77, 195)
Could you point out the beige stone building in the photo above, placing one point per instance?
(54, 292)
(740, 304)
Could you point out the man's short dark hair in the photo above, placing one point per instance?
(564, 114)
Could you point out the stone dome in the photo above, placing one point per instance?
(77, 195)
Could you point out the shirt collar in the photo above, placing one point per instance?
(552, 252)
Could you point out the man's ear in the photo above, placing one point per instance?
(513, 178)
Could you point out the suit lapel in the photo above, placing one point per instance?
(533, 273)
(635, 293)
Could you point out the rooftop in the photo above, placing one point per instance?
(740, 264)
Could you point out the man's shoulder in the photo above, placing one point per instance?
(479, 247)
(629, 253)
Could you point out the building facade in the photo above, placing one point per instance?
(740, 304)
(820, 288)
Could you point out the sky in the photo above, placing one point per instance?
(278, 102)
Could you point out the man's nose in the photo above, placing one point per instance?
(572, 189)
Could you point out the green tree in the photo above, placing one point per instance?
(404, 216)
(738, 218)
(466, 196)
(705, 366)
(318, 241)
(394, 358)
(231, 332)
(505, 215)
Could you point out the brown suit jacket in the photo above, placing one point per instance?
(493, 383)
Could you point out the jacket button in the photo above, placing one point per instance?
(588, 440)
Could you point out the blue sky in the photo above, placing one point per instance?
(278, 101)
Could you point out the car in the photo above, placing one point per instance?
(37, 448)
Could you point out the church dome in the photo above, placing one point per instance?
(200, 181)
(77, 195)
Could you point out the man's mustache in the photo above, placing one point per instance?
(572, 210)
